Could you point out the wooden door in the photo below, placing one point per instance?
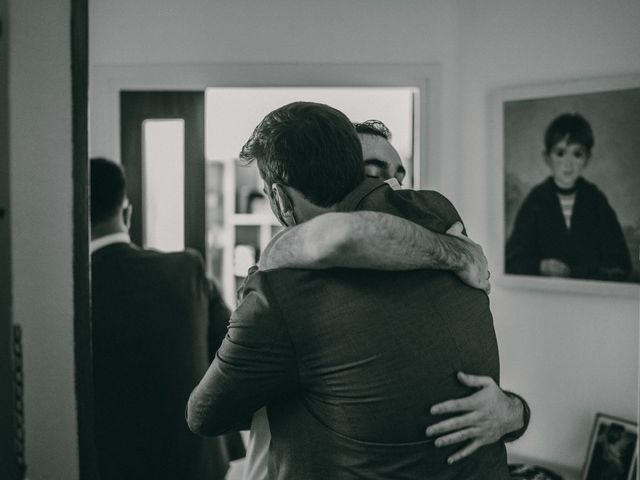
(135, 108)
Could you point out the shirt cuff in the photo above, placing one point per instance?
(526, 416)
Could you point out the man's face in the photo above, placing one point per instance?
(380, 158)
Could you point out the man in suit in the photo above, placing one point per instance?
(380, 241)
(347, 361)
(157, 322)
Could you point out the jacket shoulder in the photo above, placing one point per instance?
(428, 208)
(187, 256)
(153, 263)
(432, 196)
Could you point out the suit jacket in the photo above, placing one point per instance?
(349, 362)
(157, 321)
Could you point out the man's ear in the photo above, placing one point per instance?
(284, 204)
(546, 159)
(126, 215)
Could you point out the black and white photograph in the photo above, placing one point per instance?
(613, 448)
(319, 240)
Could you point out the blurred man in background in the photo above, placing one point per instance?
(157, 322)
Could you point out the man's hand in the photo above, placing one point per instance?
(475, 272)
(487, 415)
(552, 267)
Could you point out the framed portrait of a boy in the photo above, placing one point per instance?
(612, 451)
(567, 177)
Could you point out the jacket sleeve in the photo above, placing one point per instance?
(254, 365)
(219, 315)
(521, 256)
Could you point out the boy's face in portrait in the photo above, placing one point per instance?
(567, 161)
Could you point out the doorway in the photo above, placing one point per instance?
(200, 196)
(239, 221)
(109, 81)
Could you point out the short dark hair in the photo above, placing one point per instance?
(373, 127)
(108, 189)
(572, 126)
(311, 147)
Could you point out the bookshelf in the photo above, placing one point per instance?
(239, 222)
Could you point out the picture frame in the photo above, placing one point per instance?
(518, 119)
(612, 451)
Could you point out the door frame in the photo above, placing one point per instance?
(107, 81)
(87, 460)
(8, 427)
(81, 303)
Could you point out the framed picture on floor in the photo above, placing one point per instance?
(566, 209)
(613, 450)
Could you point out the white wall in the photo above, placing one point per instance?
(231, 114)
(163, 31)
(151, 32)
(41, 227)
(570, 355)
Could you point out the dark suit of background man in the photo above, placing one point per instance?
(157, 321)
(347, 362)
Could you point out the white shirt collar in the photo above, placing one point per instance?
(393, 183)
(101, 242)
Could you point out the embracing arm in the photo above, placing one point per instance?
(377, 241)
